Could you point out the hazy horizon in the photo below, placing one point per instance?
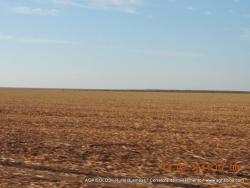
(125, 44)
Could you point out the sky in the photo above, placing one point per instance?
(125, 44)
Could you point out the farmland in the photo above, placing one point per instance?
(57, 138)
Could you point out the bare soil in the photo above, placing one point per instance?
(57, 138)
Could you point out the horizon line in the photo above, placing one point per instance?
(134, 90)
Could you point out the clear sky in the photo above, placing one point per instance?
(125, 44)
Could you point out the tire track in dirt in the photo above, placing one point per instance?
(21, 165)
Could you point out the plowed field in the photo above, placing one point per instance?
(57, 138)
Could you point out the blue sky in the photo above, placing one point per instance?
(125, 44)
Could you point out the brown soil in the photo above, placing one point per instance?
(56, 138)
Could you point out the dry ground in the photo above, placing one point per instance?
(53, 138)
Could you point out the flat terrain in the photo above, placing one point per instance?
(57, 138)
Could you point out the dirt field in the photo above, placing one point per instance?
(53, 138)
